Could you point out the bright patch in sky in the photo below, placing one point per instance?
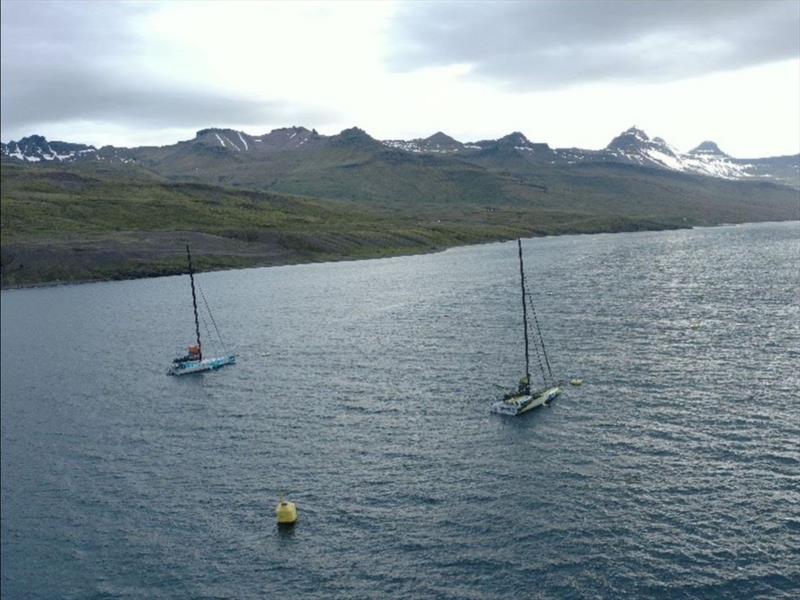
(154, 73)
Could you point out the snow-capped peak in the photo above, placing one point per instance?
(36, 148)
(634, 146)
(637, 133)
(516, 139)
(708, 148)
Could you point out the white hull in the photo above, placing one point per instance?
(516, 405)
(198, 366)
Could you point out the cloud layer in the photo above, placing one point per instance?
(141, 73)
(65, 62)
(551, 44)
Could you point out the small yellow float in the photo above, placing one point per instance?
(576, 382)
(286, 512)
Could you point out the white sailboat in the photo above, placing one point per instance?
(525, 398)
(193, 361)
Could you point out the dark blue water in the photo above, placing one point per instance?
(362, 393)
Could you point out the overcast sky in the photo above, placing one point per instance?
(570, 73)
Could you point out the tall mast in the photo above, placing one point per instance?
(524, 313)
(194, 303)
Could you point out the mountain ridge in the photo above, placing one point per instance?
(75, 212)
(632, 146)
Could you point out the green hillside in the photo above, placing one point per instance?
(349, 199)
(62, 225)
(354, 167)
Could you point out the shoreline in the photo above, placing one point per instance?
(379, 253)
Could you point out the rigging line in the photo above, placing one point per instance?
(210, 314)
(205, 325)
(540, 337)
(540, 342)
(539, 331)
(539, 358)
(536, 347)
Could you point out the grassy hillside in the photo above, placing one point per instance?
(62, 225)
(357, 168)
(95, 220)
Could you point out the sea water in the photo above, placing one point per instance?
(362, 391)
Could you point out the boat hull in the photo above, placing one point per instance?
(199, 366)
(517, 405)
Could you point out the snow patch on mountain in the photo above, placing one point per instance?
(416, 147)
(438, 143)
(632, 146)
(36, 148)
(635, 146)
(716, 165)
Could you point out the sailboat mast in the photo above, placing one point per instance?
(194, 302)
(524, 313)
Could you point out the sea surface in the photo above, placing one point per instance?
(362, 393)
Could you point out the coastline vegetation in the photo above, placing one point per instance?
(64, 224)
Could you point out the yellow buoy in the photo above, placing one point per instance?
(576, 381)
(286, 512)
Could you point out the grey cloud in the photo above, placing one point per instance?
(552, 44)
(64, 62)
(41, 34)
(59, 94)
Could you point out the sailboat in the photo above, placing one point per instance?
(524, 398)
(193, 361)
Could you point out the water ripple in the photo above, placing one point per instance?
(362, 392)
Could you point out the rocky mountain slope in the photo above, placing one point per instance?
(76, 212)
(227, 148)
